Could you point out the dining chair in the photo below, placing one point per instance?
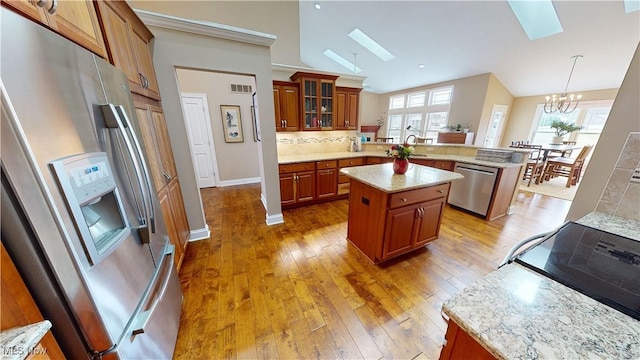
(534, 169)
(566, 166)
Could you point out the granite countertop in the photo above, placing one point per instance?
(516, 313)
(294, 158)
(18, 343)
(382, 177)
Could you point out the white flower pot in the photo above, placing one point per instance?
(556, 140)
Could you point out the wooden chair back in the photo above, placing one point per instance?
(584, 153)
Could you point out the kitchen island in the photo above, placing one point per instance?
(516, 313)
(391, 214)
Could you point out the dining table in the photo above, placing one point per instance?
(547, 148)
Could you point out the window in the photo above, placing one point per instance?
(425, 120)
(417, 99)
(591, 115)
(440, 96)
(396, 102)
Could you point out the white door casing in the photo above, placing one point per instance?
(198, 124)
(496, 123)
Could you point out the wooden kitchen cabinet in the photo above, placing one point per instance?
(19, 308)
(411, 227)
(326, 179)
(286, 99)
(317, 92)
(76, 20)
(384, 225)
(461, 346)
(455, 138)
(128, 45)
(343, 180)
(347, 102)
(155, 138)
(297, 183)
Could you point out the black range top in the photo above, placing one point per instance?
(601, 265)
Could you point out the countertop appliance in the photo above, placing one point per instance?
(599, 264)
(78, 208)
(474, 192)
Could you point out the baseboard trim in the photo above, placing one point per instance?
(275, 219)
(239, 182)
(200, 234)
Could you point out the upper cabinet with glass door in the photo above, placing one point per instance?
(317, 93)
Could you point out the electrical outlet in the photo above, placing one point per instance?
(636, 176)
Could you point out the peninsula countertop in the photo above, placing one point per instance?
(304, 157)
(382, 177)
(516, 313)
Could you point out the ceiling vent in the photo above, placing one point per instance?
(241, 89)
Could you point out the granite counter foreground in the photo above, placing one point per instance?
(18, 343)
(515, 313)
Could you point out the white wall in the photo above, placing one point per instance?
(623, 119)
(228, 155)
(178, 49)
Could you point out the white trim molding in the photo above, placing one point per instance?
(224, 183)
(275, 219)
(206, 28)
(200, 234)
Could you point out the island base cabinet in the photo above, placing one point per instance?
(411, 227)
(460, 346)
(383, 226)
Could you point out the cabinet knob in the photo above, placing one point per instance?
(403, 200)
(53, 8)
(440, 191)
(327, 165)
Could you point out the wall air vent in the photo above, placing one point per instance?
(241, 89)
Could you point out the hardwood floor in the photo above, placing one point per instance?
(298, 291)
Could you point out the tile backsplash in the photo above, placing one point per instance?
(313, 141)
(621, 196)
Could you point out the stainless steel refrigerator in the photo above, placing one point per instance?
(80, 217)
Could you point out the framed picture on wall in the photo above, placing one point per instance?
(231, 123)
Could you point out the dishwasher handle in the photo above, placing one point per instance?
(479, 171)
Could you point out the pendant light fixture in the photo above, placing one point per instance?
(565, 103)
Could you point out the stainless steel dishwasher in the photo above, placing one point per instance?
(474, 192)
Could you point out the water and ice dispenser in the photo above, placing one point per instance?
(92, 197)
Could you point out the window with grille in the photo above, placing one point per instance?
(424, 119)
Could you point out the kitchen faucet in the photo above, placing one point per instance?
(406, 141)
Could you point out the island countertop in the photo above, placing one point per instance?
(516, 313)
(382, 177)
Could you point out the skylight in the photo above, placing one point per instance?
(369, 44)
(342, 61)
(631, 5)
(538, 18)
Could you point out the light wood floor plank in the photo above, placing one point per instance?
(299, 290)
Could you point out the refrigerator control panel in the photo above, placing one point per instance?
(90, 190)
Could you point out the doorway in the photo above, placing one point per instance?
(197, 119)
(496, 123)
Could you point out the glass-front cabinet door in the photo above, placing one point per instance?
(317, 97)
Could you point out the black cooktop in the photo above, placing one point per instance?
(601, 265)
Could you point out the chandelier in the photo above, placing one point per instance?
(564, 104)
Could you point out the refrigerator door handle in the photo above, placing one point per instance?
(142, 318)
(113, 120)
(145, 170)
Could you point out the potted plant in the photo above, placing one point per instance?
(561, 129)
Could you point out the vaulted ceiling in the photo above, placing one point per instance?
(456, 39)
